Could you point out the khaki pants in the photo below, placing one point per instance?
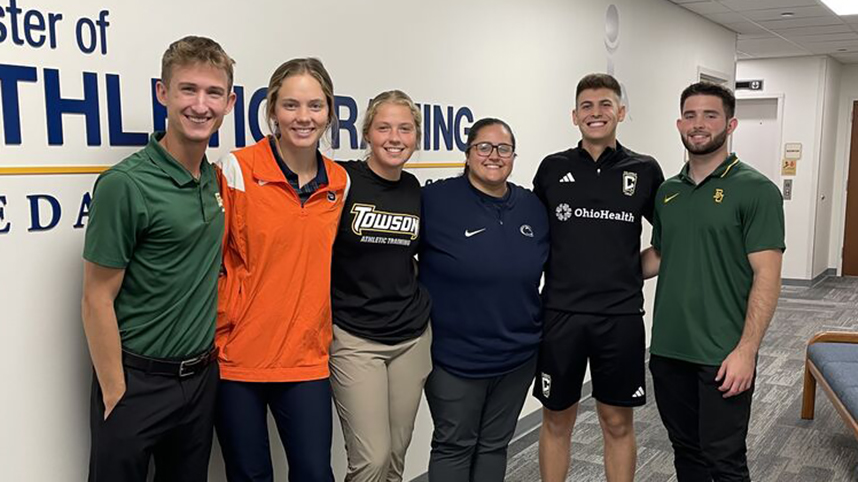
(377, 390)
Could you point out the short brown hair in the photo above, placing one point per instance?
(715, 90)
(396, 97)
(309, 66)
(598, 81)
(192, 49)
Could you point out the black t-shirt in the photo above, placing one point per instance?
(594, 211)
(374, 292)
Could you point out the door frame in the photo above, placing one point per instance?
(845, 183)
(740, 96)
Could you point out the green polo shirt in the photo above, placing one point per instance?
(704, 233)
(150, 217)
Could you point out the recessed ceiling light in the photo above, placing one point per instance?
(788, 14)
(842, 7)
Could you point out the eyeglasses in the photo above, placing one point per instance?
(484, 149)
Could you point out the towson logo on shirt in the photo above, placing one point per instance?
(368, 219)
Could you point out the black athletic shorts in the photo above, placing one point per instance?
(614, 345)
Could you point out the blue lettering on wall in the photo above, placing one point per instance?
(32, 24)
(35, 213)
(346, 122)
(83, 211)
(4, 225)
(442, 127)
(238, 112)
(85, 35)
(445, 127)
(118, 137)
(427, 127)
(56, 106)
(10, 75)
(159, 112)
(462, 133)
(253, 113)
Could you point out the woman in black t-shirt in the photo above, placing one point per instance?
(380, 354)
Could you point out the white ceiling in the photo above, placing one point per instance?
(764, 32)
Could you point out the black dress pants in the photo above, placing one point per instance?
(707, 431)
(165, 417)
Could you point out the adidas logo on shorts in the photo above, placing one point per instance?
(639, 393)
(546, 385)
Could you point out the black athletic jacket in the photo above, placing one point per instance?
(595, 211)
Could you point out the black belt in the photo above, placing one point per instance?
(176, 368)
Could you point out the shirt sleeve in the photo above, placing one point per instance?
(657, 180)
(763, 219)
(655, 241)
(656, 231)
(537, 184)
(117, 218)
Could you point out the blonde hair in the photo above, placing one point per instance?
(306, 66)
(396, 97)
(192, 49)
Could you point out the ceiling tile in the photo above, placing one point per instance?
(752, 36)
(748, 28)
(827, 38)
(799, 13)
(831, 47)
(705, 8)
(725, 18)
(745, 5)
(847, 58)
(826, 29)
(770, 48)
(801, 22)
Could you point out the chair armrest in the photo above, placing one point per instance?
(834, 337)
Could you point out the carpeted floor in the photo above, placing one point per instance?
(782, 446)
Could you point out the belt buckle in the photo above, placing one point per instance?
(184, 371)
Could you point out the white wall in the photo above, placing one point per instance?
(827, 165)
(515, 60)
(802, 83)
(848, 95)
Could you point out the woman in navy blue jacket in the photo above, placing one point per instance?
(485, 242)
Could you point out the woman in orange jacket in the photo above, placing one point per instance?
(283, 201)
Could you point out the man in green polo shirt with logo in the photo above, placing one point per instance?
(152, 257)
(718, 242)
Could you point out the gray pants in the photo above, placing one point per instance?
(474, 422)
(377, 391)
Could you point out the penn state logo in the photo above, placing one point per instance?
(630, 180)
(332, 196)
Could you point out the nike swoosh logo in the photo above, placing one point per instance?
(468, 234)
(667, 199)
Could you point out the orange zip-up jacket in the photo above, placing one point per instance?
(274, 297)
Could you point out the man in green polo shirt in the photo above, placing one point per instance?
(152, 257)
(718, 242)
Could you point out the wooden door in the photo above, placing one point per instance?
(850, 239)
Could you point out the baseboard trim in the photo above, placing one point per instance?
(809, 282)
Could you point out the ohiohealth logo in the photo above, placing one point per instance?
(563, 212)
(605, 214)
